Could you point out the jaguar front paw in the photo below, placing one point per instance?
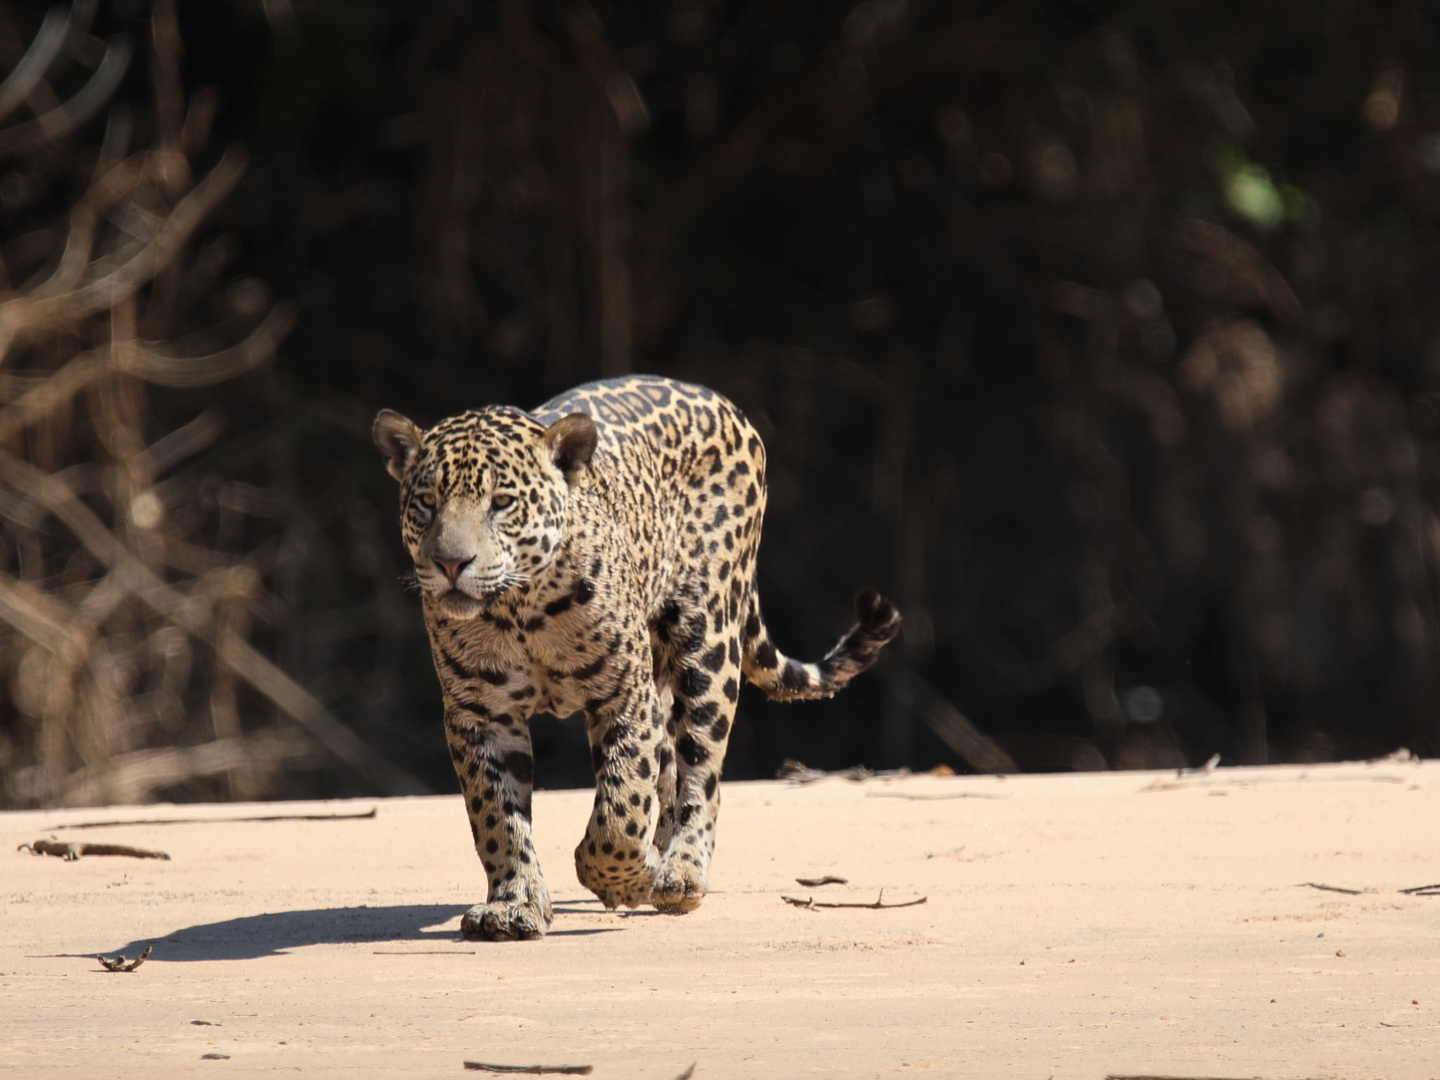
(621, 877)
(679, 888)
(517, 910)
(506, 921)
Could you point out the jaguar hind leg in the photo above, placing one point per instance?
(617, 859)
(704, 684)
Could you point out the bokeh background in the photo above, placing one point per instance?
(1103, 336)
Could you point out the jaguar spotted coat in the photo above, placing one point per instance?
(598, 555)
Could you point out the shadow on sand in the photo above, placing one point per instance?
(271, 934)
(276, 933)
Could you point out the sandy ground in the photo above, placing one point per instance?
(1075, 926)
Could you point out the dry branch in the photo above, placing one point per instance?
(1211, 764)
(37, 59)
(152, 364)
(106, 666)
(239, 656)
(121, 964)
(26, 314)
(1182, 785)
(368, 815)
(1417, 890)
(939, 854)
(159, 367)
(878, 905)
(111, 187)
(981, 752)
(65, 118)
(797, 772)
(41, 400)
(70, 851)
(36, 614)
(130, 777)
(532, 1070)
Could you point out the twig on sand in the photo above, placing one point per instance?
(878, 905)
(816, 882)
(688, 1073)
(1402, 756)
(1257, 781)
(797, 772)
(70, 851)
(1417, 890)
(1334, 888)
(532, 1070)
(1203, 770)
(368, 814)
(121, 964)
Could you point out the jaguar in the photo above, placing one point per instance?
(598, 555)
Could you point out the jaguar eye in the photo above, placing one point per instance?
(500, 502)
(427, 500)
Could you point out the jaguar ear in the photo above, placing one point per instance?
(398, 439)
(571, 442)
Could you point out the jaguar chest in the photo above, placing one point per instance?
(551, 655)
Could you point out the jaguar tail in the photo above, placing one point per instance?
(784, 679)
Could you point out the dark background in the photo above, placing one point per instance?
(1103, 337)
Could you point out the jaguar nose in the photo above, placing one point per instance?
(453, 567)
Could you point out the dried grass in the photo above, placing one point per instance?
(125, 643)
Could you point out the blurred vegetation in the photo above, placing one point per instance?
(1102, 336)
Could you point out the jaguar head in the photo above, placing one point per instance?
(483, 499)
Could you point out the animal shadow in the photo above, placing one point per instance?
(274, 933)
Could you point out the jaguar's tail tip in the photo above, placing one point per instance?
(876, 615)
